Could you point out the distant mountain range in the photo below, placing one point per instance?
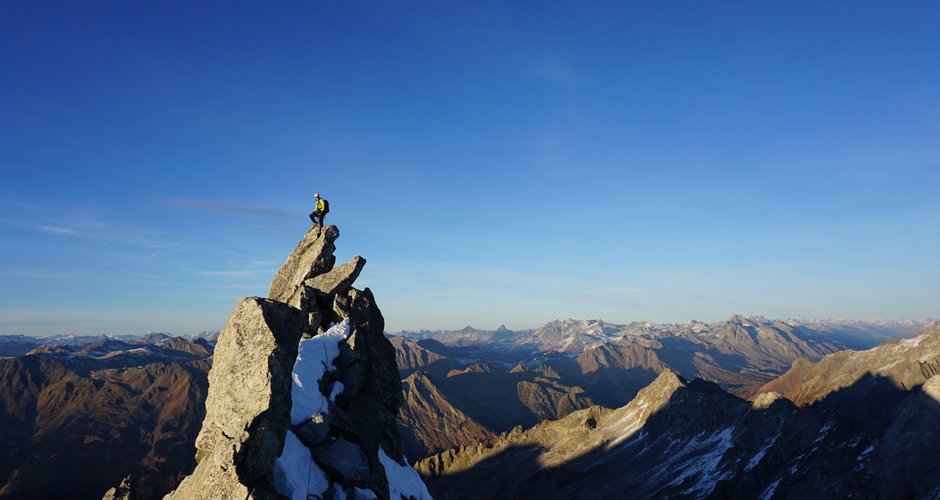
(868, 427)
(96, 409)
(481, 383)
(17, 345)
(574, 336)
(88, 411)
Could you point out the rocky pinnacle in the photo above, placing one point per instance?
(248, 408)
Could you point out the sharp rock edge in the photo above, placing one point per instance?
(304, 392)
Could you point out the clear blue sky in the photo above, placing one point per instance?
(495, 162)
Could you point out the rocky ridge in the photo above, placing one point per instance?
(574, 336)
(907, 363)
(303, 392)
(875, 436)
(428, 423)
(741, 353)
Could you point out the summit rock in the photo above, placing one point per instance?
(313, 256)
(304, 392)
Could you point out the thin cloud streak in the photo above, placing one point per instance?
(554, 70)
(235, 274)
(222, 207)
(158, 278)
(141, 258)
(57, 230)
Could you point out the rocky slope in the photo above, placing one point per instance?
(304, 391)
(519, 380)
(428, 423)
(90, 416)
(411, 356)
(907, 363)
(875, 437)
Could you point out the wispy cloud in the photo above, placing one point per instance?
(154, 277)
(57, 230)
(86, 223)
(137, 258)
(231, 274)
(554, 70)
(222, 207)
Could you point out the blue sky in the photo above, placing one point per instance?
(494, 163)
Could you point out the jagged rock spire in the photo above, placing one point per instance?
(312, 256)
(322, 422)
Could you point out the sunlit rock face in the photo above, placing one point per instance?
(304, 392)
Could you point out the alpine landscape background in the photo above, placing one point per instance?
(745, 407)
(694, 245)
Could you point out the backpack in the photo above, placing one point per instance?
(326, 206)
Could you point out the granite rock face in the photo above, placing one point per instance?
(339, 280)
(248, 405)
(304, 391)
(313, 256)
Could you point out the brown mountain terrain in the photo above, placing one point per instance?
(428, 423)
(410, 356)
(870, 439)
(133, 407)
(474, 378)
(89, 422)
(907, 363)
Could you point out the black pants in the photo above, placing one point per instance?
(314, 216)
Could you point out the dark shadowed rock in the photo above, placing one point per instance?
(372, 394)
(314, 431)
(911, 444)
(345, 461)
(340, 421)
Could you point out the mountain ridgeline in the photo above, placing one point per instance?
(868, 426)
(307, 397)
(92, 413)
(482, 383)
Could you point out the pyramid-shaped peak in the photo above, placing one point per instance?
(663, 387)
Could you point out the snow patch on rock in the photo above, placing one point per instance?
(760, 454)
(769, 492)
(701, 457)
(403, 481)
(295, 473)
(314, 358)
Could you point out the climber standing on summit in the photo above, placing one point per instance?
(320, 209)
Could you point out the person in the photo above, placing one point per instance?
(320, 209)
